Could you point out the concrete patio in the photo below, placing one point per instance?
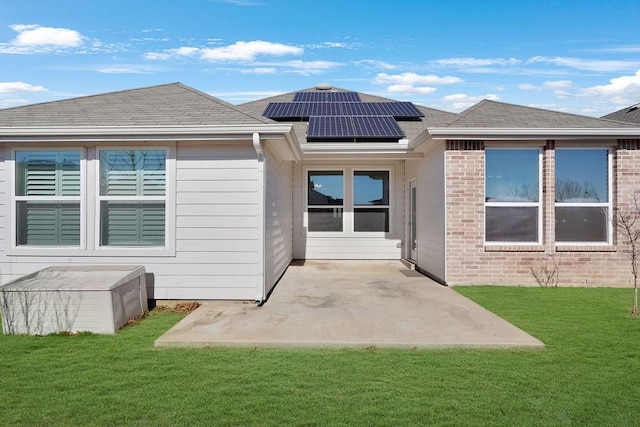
(349, 304)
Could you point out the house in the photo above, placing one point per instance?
(216, 200)
(629, 114)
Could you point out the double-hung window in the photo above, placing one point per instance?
(371, 201)
(132, 197)
(325, 200)
(47, 197)
(582, 195)
(512, 195)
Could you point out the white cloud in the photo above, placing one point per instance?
(461, 101)
(414, 83)
(13, 87)
(306, 68)
(415, 79)
(125, 70)
(476, 62)
(623, 90)
(528, 86)
(558, 84)
(423, 90)
(247, 51)
(34, 35)
(373, 63)
(185, 51)
(586, 64)
(240, 51)
(157, 56)
(260, 70)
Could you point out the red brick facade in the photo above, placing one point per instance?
(471, 261)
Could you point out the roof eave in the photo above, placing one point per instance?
(358, 150)
(156, 133)
(531, 133)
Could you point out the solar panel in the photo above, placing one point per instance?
(399, 110)
(360, 109)
(281, 110)
(301, 110)
(376, 127)
(330, 127)
(356, 127)
(326, 97)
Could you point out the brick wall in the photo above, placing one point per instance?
(470, 261)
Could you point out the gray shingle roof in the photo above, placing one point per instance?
(171, 104)
(492, 114)
(629, 114)
(412, 128)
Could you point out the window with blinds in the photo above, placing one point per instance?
(47, 197)
(132, 197)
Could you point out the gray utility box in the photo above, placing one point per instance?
(94, 298)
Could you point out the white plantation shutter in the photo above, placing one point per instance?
(47, 197)
(137, 174)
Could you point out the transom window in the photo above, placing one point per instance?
(132, 197)
(357, 201)
(582, 195)
(512, 195)
(47, 198)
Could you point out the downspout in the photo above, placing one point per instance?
(261, 242)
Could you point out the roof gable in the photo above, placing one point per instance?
(171, 104)
(629, 114)
(492, 114)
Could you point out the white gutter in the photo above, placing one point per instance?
(261, 240)
(151, 133)
(531, 133)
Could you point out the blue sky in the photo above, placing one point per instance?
(575, 56)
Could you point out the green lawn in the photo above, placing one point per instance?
(588, 374)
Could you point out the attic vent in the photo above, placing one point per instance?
(324, 86)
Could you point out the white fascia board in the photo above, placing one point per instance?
(358, 151)
(146, 133)
(532, 133)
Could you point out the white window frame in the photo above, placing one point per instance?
(608, 205)
(80, 198)
(320, 168)
(167, 199)
(348, 206)
(538, 204)
(354, 206)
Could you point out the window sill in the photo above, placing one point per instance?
(586, 248)
(514, 248)
(101, 253)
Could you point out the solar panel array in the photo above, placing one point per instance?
(342, 116)
(357, 127)
(304, 110)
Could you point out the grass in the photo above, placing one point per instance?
(588, 374)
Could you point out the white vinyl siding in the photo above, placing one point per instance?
(278, 219)
(429, 175)
(47, 197)
(211, 225)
